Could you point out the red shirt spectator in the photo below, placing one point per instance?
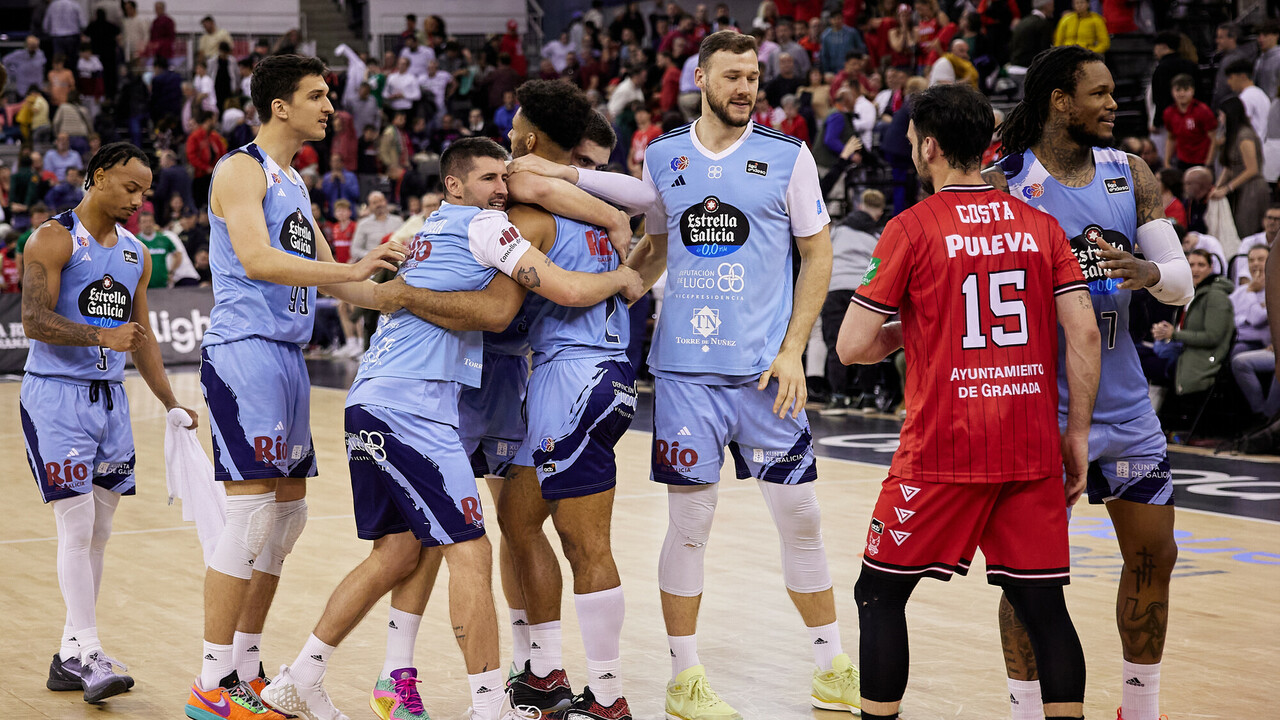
(796, 127)
(9, 274)
(935, 38)
(510, 44)
(204, 148)
(306, 157)
(645, 133)
(800, 10)
(1176, 212)
(1118, 15)
(1191, 130)
(340, 236)
(163, 33)
(670, 85)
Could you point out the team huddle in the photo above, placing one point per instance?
(515, 294)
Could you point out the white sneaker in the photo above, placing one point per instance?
(508, 712)
(310, 702)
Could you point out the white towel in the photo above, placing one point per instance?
(1222, 225)
(189, 477)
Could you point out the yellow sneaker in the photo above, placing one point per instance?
(837, 688)
(690, 697)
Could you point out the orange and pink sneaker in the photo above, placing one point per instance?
(231, 700)
(397, 698)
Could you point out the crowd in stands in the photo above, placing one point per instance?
(837, 74)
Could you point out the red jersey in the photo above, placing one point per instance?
(974, 274)
(340, 237)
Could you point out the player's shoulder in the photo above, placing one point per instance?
(671, 135)
(52, 237)
(764, 134)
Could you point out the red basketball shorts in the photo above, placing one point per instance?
(925, 529)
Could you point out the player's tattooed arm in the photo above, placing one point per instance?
(528, 277)
(995, 177)
(1146, 191)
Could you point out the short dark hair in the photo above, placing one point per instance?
(458, 158)
(111, 155)
(1183, 80)
(1269, 27)
(207, 17)
(276, 77)
(1208, 257)
(1239, 67)
(600, 132)
(1169, 39)
(730, 41)
(557, 108)
(959, 118)
(1171, 178)
(1233, 30)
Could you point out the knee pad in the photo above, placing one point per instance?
(249, 522)
(877, 592)
(291, 517)
(795, 512)
(690, 511)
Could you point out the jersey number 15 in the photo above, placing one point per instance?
(1001, 309)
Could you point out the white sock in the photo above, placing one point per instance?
(519, 636)
(1024, 699)
(600, 617)
(1140, 694)
(487, 694)
(245, 653)
(826, 644)
(544, 648)
(308, 669)
(216, 665)
(70, 646)
(402, 633)
(89, 643)
(684, 653)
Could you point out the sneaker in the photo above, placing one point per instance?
(837, 405)
(586, 707)
(548, 694)
(509, 712)
(231, 700)
(257, 684)
(837, 688)
(690, 697)
(64, 674)
(309, 702)
(99, 678)
(397, 698)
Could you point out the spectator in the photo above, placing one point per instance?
(439, 85)
(1170, 192)
(1082, 27)
(134, 31)
(61, 81)
(174, 181)
(374, 226)
(477, 126)
(765, 114)
(89, 79)
(557, 51)
(364, 109)
(1256, 103)
(1196, 184)
(417, 55)
(1198, 341)
(72, 120)
(1206, 242)
(162, 35)
(232, 118)
(506, 114)
(26, 66)
(645, 133)
(628, 91)
(628, 18)
(39, 215)
(133, 103)
(104, 42)
(367, 145)
(410, 30)
(403, 88)
(788, 46)
(690, 95)
(851, 74)
(1229, 52)
(954, 67)
(307, 161)
(61, 156)
(1266, 238)
(838, 40)
(22, 190)
(166, 92)
(212, 38)
(900, 38)
(1032, 35)
(786, 82)
(1169, 65)
(1190, 125)
(934, 32)
(204, 148)
(202, 83)
(809, 35)
(339, 184)
(67, 193)
(225, 74)
(501, 80)
(1266, 71)
(1241, 178)
(63, 21)
(341, 231)
(1253, 356)
(669, 96)
(192, 235)
(853, 240)
(165, 256)
(816, 98)
(793, 124)
(394, 147)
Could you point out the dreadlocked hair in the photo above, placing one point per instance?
(109, 156)
(1054, 69)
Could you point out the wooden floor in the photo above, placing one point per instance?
(1220, 660)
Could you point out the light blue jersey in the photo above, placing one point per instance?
(243, 307)
(563, 333)
(96, 288)
(729, 218)
(1104, 209)
(458, 248)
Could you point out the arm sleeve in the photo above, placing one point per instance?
(655, 217)
(805, 207)
(885, 282)
(1159, 244)
(495, 242)
(634, 194)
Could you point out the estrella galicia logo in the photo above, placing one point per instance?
(1116, 185)
(297, 235)
(106, 303)
(1085, 247)
(713, 228)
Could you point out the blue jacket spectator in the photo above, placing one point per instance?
(26, 66)
(174, 180)
(837, 41)
(166, 92)
(59, 158)
(67, 193)
(339, 183)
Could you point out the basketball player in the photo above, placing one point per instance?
(979, 282)
(1107, 202)
(726, 357)
(84, 304)
(267, 262)
(412, 482)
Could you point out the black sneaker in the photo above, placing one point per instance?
(586, 707)
(549, 694)
(64, 674)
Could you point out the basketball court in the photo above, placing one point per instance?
(1220, 658)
